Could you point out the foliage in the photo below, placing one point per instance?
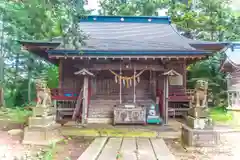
(220, 114)
(35, 20)
(58, 20)
(208, 20)
(131, 7)
(17, 115)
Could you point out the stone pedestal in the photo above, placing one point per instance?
(198, 130)
(42, 129)
(199, 123)
(235, 115)
(198, 112)
(199, 137)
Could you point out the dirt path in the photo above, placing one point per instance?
(10, 148)
(229, 149)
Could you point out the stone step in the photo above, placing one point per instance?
(106, 101)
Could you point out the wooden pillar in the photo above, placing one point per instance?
(85, 100)
(185, 73)
(120, 84)
(154, 83)
(165, 99)
(134, 85)
(60, 72)
(86, 74)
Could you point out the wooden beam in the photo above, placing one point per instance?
(115, 66)
(170, 57)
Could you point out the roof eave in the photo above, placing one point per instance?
(128, 52)
(213, 46)
(40, 48)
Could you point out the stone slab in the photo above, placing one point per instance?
(41, 136)
(198, 112)
(129, 149)
(41, 121)
(161, 150)
(199, 137)
(40, 111)
(198, 123)
(94, 149)
(145, 150)
(235, 115)
(111, 149)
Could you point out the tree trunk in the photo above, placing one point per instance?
(2, 103)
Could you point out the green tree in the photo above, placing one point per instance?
(36, 20)
(131, 7)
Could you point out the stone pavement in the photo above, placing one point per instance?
(104, 148)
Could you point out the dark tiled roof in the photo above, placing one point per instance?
(132, 36)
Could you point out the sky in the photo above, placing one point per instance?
(92, 4)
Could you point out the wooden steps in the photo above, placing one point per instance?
(92, 152)
(103, 108)
(128, 148)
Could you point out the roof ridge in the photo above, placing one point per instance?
(122, 19)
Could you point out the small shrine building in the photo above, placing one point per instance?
(125, 59)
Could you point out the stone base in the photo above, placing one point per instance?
(42, 135)
(198, 112)
(198, 123)
(41, 121)
(40, 111)
(199, 137)
(235, 112)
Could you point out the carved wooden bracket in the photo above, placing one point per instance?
(84, 72)
(171, 73)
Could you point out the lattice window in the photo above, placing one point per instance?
(234, 99)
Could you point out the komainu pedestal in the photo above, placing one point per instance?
(42, 127)
(199, 137)
(198, 130)
(42, 130)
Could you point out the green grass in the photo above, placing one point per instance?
(70, 131)
(220, 114)
(17, 115)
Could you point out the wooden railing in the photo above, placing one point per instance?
(64, 93)
(180, 95)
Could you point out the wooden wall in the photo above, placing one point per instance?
(105, 91)
(105, 80)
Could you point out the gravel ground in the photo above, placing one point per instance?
(11, 148)
(229, 149)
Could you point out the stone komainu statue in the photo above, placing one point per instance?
(43, 93)
(199, 98)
